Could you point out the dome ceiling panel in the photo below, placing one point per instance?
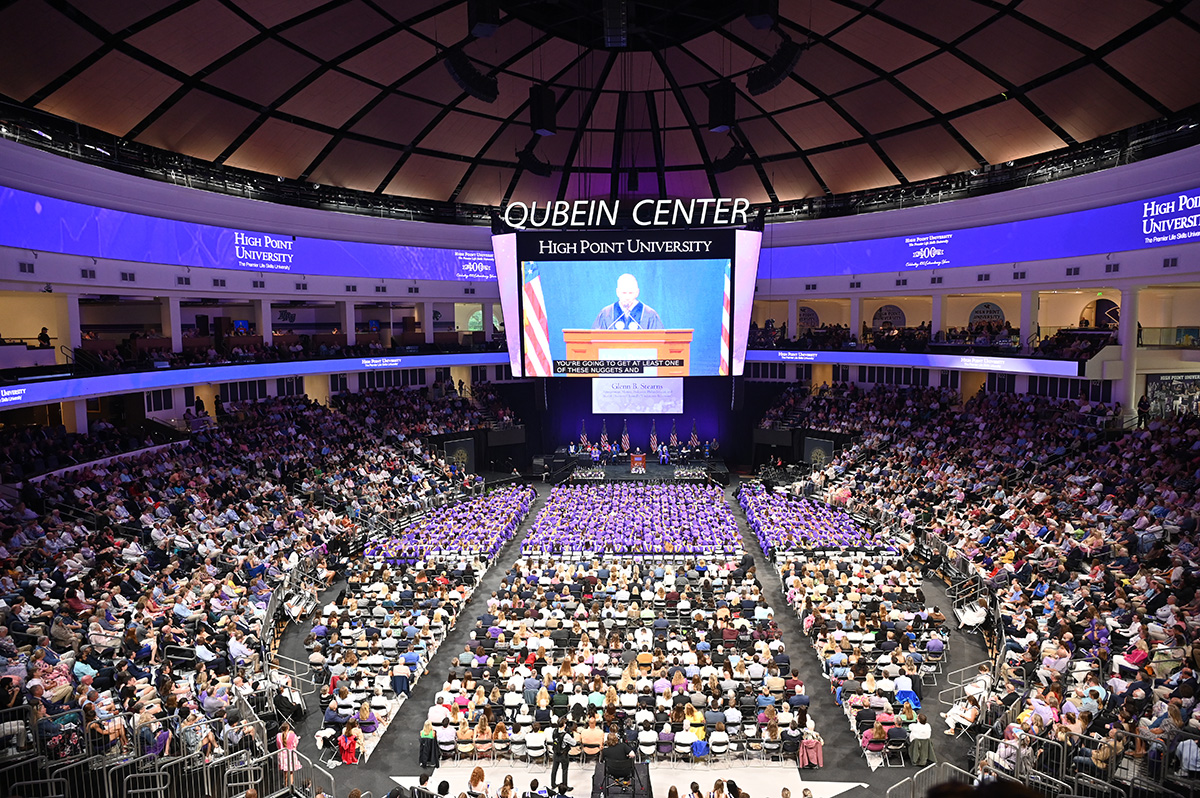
(851, 169)
(940, 20)
(397, 119)
(116, 17)
(355, 164)
(330, 34)
(880, 107)
(391, 59)
(927, 152)
(885, 45)
(194, 37)
(286, 148)
(1006, 132)
(331, 99)
(948, 83)
(426, 177)
(26, 64)
(263, 73)
(1106, 19)
(198, 124)
(1164, 62)
(1113, 107)
(270, 13)
(1016, 51)
(112, 95)
(357, 92)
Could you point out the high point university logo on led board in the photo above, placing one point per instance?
(564, 214)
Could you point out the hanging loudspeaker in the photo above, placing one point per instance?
(721, 100)
(542, 111)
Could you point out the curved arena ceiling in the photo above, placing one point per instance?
(356, 93)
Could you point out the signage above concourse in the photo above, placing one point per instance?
(592, 214)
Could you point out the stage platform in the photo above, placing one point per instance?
(699, 471)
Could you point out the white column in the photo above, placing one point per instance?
(385, 334)
(793, 320)
(172, 321)
(74, 332)
(74, 416)
(488, 327)
(346, 316)
(856, 317)
(263, 320)
(937, 315)
(427, 321)
(1129, 352)
(1030, 302)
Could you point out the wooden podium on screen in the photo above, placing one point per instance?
(632, 345)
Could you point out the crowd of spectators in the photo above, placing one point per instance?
(669, 658)
(635, 517)
(783, 523)
(27, 451)
(1088, 539)
(1074, 344)
(369, 646)
(133, 592)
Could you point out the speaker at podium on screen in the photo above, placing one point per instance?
(633, 345)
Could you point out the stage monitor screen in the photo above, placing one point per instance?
(633, 395)
(641, 304)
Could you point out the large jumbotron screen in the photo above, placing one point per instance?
(641, 304)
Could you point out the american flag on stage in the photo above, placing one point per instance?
(724, 367)
(695, 441)
(604, 433)
(653, 437)
(625, 438)
(674, 439)
(583, 441)
(537, 330)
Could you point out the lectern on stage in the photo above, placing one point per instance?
(633, 345)
(637, 463)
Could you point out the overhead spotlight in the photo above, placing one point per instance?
(532, 163)
(763, 78)
(483, 18)
(730, 160)
(722, 99)
(469, 79)
(616, 23)
(762, 14)
(542, 111)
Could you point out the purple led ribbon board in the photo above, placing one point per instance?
(32, 221)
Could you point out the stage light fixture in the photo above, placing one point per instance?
(469, 79)
(763, 78)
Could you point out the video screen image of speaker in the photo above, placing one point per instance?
(642, 304)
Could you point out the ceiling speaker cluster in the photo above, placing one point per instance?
(469, 79)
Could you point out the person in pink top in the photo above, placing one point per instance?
(289, 760)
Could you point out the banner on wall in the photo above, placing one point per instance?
(461, 452)
(986, 313)
(888, 316)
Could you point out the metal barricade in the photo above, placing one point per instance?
(146, 784)
(16, 734)
(925, 778)
(1091, 787)
(902, 789)
(39, 788)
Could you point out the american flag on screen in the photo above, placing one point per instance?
(653, 436)
(695, 438)
(537, 330)
(724, 367)
(604, 433)
(625, 438)
(583, 440)
(674, 439)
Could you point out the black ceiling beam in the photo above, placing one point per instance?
(581, 126)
